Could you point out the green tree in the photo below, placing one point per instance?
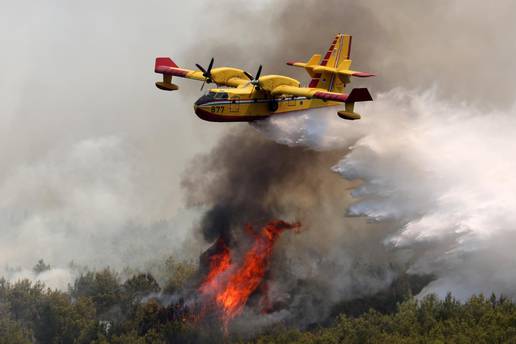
(103, 287)
(12, 332)
(138, 286)
(40, 267)
(177, 274)
(60, 321)
(23, 298)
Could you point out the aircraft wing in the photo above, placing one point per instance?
(225, 76)
(356, 95)
(166, 66)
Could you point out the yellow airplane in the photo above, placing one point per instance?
(241, 97)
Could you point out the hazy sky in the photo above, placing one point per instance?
(79, 70)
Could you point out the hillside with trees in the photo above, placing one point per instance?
(101, 307)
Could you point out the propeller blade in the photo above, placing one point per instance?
(201, 69)
(254, 80)
(203, 84)
(211, 65)
(248, 75)
(258, 73)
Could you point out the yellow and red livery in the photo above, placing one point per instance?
(241, 97)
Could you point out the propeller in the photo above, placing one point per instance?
(206, 72)
(255, 80)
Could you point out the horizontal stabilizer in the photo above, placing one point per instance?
(314, 60)
(355, 73)
(331, 70)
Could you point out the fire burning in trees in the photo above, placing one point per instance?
(220, 261)
(229, 284)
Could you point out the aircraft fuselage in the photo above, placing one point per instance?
(222, 105)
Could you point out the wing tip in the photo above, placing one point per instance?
(359, 95)
(362, 74)
(163, 63)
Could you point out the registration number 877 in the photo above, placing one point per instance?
(217, 109)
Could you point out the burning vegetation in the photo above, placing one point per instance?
(102, 308)
(231, 282)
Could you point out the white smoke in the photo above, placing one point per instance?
(445, 172)
(58, 278)
(91, 152)
(88, 203)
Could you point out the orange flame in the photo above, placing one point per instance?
(219, 262)
(232, 292)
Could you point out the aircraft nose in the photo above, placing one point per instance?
(203, 100)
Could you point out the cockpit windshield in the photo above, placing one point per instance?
(211, 96)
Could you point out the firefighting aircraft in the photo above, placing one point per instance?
(242, 97)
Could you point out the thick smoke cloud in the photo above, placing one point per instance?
(247, 183)
(248, 179)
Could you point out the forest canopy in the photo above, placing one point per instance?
(101, 307)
